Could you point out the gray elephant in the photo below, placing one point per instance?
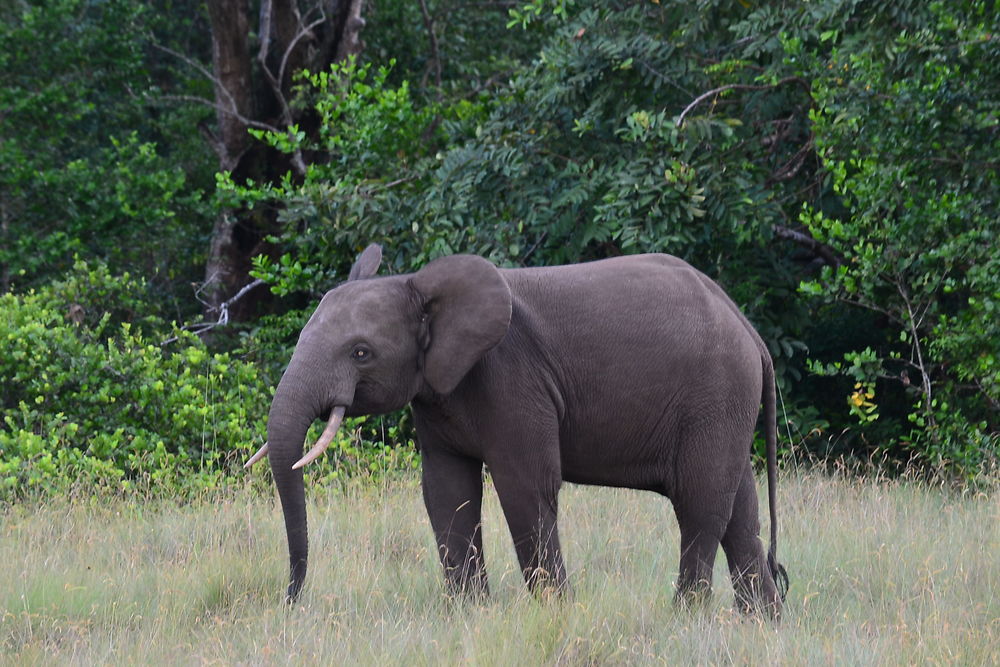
(634, 372)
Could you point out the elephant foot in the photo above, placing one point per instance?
(475, 589)
(546, 585)
(758, 598)
(693, 597)
(760, 609)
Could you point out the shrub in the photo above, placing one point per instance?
(92, 400)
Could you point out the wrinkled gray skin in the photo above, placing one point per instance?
(634, 372)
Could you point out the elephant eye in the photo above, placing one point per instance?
(361, 354)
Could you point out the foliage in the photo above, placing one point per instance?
(908, 131)
(602, 145)
(370, 135)
(575, 158)
(93, 400)
(80, 170)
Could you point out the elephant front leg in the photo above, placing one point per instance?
(453, 495)
(529, 503)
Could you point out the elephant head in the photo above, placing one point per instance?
(371, 346)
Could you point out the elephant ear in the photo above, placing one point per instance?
(366, 265)
(468, 305)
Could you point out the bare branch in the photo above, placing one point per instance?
(739, 86)
(788, 171)
(225, 305)
(663, 77)
(276, 81)
(868, 305)
(915, 336)
(306, 30)
(398, 181)
(367, 190)
(189, 61)
(286, 115)
(435, 60)
(249, 122)
(200, 328)
(493, 80)
(264, 30)
(208, 75)
(533, 248)
(825, 252)
(229, 109)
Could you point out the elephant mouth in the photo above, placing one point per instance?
(324, 440)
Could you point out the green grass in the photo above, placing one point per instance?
(882, 573)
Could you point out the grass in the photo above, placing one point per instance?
(882, 573)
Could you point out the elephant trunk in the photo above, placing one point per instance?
(292, 412)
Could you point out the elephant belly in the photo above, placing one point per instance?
(620, 458)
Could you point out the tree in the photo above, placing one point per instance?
(253, 83)
(907, 128)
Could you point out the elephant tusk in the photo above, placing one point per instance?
(336, 416)
(256, 457)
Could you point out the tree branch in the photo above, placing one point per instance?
(200, 328)
(435, 61)
(306, 30)
(821, 250)
(276, 81)
(249, 122)
(493, 80)
(739, 86)
(663, 77)
(231, 109)
(925, 378)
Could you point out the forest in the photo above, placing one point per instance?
(181, 181)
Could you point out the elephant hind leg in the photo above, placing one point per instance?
(703, 497)
(698, 550)
(702, 525)
(751, 573)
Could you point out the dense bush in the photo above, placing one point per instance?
(907, 131)
(90, 397)
(94, 398)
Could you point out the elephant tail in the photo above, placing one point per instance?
(778, 572)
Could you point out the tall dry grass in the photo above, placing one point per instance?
(882, 573)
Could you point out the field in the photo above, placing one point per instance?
(882, 573)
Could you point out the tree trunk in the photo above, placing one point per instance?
(5, 239)
(256, 95)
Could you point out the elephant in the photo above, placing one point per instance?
(634, 371)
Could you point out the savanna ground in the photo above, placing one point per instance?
(883, 572)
